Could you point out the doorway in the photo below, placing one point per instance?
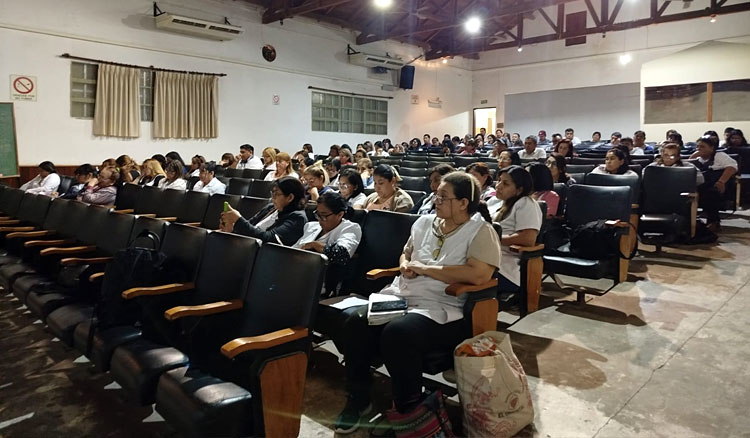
(484, 118)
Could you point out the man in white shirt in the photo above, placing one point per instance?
(627, 141)
(570, 135)
(247, 159)
(615, 139)
(530, 151)
(639, 143)
(209, 184)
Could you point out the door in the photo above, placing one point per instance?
(484, 118)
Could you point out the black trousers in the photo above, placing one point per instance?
(401, 344)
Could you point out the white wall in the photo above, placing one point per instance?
(308, 55)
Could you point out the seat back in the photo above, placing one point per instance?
(376, 251)
(114, 233)
(275, 299)
(239, 186)
(249, 206)
(460, 161)
(12, 201)
(148, 200)
(662, 187)
(418, 172)
(93, 222)
(416, 195)
(225, 270)
(143, 223)
(223, 179)
(25, 209)
(127, 195)
(58, 214)
(579, 168)
(413, 164)
(65, 183)
(233, 173)
(260, 189)
(562, 191)
(358, 216)
(215, 207)
(589, 203)
(251, 173)
(590, 161)
(38, 210)
(632, 181)
(191, 181)
(170, 203)
(182, 245)
(418, 183)
(193, 208)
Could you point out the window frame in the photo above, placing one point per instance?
(709, 109)
(335, 112)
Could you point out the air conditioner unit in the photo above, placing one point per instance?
(366, 60)
(198, 27)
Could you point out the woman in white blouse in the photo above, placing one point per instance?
(173, 179)
(332, 235)
(46, 182)
(615, 163)
(208, 183)
(351, 188)
(283, 168)
(455, 245)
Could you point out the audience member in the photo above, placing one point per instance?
(735, 141)
(542, 138)
(481, 172)
(570, 135)
(128, 168)
(269, 159)
(508, 158)
(333, 167)
(728, 130)
(453, 246)
(542, 184)
(670, 157)
(557, 168)
(639, 143)
(470, 148)
(615, 139)
(228, 160)
(83, 173)
(208, 183)
(334, 151)
(565, 148)
(718, 170)
(173, 177)
(281, 221)
(283, 168)
(530, 151)
(596, 137)
(628, 143)
(161, 159)
(346, 157)
(151, 174)
(308, 149)
(364, 167)
(45, 182)
(317, 182)
(195, 165)
(332, 235)
(387, 195)
(176, 156)
(615, 163)
(556, 139)
(352, 188)
(101, 190)
(498, 146)
(427, 204)
(246, 159)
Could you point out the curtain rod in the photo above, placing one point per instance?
(151, 67)
(349, 93)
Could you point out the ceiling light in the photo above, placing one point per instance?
(473, 25)
(520, 49)
(383, 3)
(625, 58)
(445, 60)
(713, 18)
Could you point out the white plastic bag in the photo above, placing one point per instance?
(492, 386)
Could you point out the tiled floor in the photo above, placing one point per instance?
(664, 354)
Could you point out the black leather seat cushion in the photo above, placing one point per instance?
(6, 259)
(103, 343)
(582, 268)
(661, 223)
(32, 283)
(136, 366)
(9, 273)
(200, 405)
(44, 303)
(63, 321)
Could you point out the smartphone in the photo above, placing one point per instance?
(226, 206)
(388, 306)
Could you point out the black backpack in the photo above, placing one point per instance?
(596, 240)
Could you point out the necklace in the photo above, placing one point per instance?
(437, 224)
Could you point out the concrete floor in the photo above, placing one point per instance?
(663, 354)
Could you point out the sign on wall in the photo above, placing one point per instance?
(23, 88)
(415, 99)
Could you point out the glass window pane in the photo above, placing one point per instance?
(358, 128)
(89, 91)
(317, 125)
(346, 102)
(90, 71)
(730, 100)
(346, 127)
(382, 105)
(76, 70)
(381, 130)
(332, 126)
(358, 116)
(382, 118)
(88, 110)
(358, 103)
(76, 90)
(676, 104)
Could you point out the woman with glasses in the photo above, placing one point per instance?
(351, 188)
(332, 235)
(173, 179)
(281, 221)
(454, 245)
(557, 167)
(670, 157)
(427, 205)
(283, 168)
(387, 195)
(508, 158)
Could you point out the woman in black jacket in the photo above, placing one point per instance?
(281, 221)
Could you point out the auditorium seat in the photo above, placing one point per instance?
(212, 216)
(127, 194)
(463, 161)
(416, 172)
(418, 183)
(233, 173)
(147, 201)
(53, 221)
(416, 195)
(10, 203)
(249, 206)
(191, 210)
(238, 186)
(251, 173)
(31, 215)
(260, 189)
(669, 205)
(579, 168)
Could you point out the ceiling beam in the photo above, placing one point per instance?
(524, 7)
(612, 27)
(281, 12)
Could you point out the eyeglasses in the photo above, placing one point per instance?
(440, 242)
(275, 193)
(439, 199)
(344, 186)
(321, 215)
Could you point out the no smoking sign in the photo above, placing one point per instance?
(23, 88)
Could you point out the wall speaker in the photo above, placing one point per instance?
(407, 77)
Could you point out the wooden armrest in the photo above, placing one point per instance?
(633, 206)
(15, 229)
(262, 342)
(689, 195)
(71, 261)
(202, 310)
(56, 242)
(375, 274)
(192, 224)
(30, 234)
(147, 215)
(96, 276)
(125, 211)
(616, 223)
(458, 289)
(519, 249)
(168, 218)
(157, 290)
(10, 222)
(69, 250)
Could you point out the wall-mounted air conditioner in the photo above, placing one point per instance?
(198, 27)
(366, 60)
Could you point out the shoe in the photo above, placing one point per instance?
(348, 420)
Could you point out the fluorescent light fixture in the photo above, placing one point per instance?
(445, 60)
(713, 18)
(520, 49)
(473, 25)
(625, 58)
(383, 3)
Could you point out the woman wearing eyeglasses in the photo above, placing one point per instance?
(670, 157)
(281, 221)
(352, 188)
(455, 245)
(332, 235)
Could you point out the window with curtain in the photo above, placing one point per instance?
(118, 104)
(185, 105)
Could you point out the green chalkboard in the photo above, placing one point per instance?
(8, 151)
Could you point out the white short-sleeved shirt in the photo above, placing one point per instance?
(493, 205)
(721, 161)
(251, 163)
(637, 151)
(524, 215)
(177, 184)
(602, 170)
(42, 186)
(346, 235)
(538, 153)
(213, 187)
(358, 201)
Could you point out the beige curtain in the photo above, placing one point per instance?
(185, 105)
(118, 107)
